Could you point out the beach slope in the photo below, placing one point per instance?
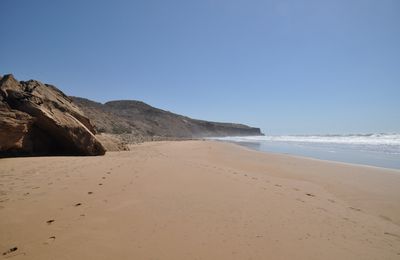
(196, 200)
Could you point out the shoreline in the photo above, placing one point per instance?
(338, 154)
(307, 157)
(344, 167)
(197, 200)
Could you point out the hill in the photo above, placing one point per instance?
(141, 119)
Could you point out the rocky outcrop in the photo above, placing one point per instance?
(112, 143)
(143, 121)
(38, 119)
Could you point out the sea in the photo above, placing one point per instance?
(377, 149)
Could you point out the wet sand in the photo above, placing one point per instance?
(196, 200)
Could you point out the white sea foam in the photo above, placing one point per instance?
(370, 139)
(376, 142)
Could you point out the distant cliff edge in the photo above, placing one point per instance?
(141, 119)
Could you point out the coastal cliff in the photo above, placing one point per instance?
(39, 119)
(141, 119)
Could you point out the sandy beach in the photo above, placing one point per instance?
(196, 200)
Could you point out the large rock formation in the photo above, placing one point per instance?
(38, 119)
(143, 120)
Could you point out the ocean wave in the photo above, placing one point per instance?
(386, 143)
(360, 139)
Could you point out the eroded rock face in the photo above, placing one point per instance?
(38, 119)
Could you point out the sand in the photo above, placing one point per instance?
(196, 200)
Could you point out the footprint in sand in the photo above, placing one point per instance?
(352, 221)
(385, 218)
(50, 240)
(9, 251)
(392, 234)
(50, 221)
(322, 209)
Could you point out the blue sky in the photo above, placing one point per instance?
(289, 67)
